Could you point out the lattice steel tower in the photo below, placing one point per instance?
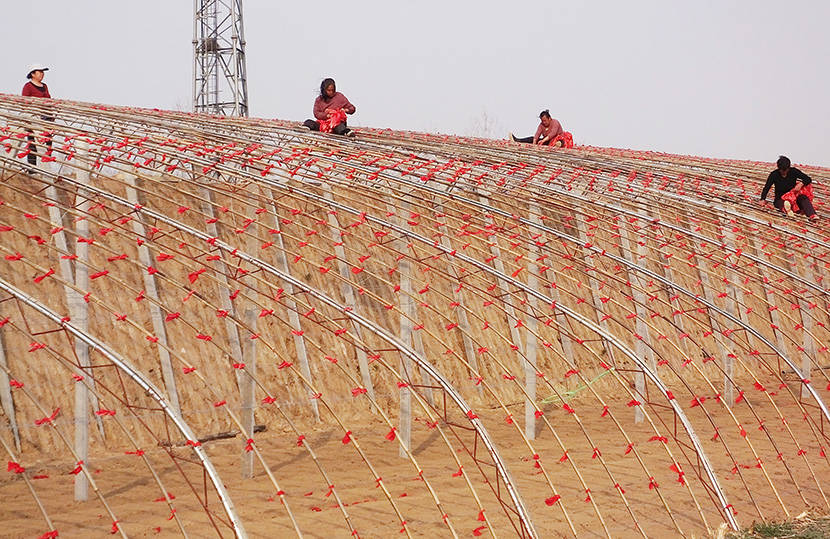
(220, 80)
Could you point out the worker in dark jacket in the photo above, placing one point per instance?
(330, 109)
(788, 179)
(36, 88)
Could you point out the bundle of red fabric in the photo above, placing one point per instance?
(566, 138)
(336, 118)
(790, 196)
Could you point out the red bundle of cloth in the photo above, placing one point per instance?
(790, 196)
(336, 118)
(566, 138)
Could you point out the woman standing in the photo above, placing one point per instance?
(37, 88)
(330, 109)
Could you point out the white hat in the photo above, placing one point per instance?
(35, 67)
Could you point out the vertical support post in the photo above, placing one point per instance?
(290, 304)
(641, 327)
(734, 296)
(415, 340)
(6, 398)
(347, 292)
(774, 317)
(60, 199)
(80, 318)
(565, 343)
(247, 391)
(406, 317)
(156, 315)
(807, 322)
(532, 344)
(498, 264)
(674, 298)
(461, 313)
(592, 285)
(221, 276)
(709, 294)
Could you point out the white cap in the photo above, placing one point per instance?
(35, 67)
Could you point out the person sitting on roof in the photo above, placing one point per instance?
(330, 109)
(549, 133)
(37, 88)
(793, 189)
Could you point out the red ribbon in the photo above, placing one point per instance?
(48, 419)
(39, 278)
(553, 499)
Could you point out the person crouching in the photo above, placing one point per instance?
(793, 189)
(330, 109)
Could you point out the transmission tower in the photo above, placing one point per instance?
(220, 81)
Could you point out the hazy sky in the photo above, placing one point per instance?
(742, 79)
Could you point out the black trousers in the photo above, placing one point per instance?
(339, 129)
(32, 157)
(803, 203)
(529, 140)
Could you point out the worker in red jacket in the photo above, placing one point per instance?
(37, 88)
(330, 109)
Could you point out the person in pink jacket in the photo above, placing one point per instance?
(330, 109)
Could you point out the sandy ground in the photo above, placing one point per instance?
(130, 490)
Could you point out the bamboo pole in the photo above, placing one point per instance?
(247, 394)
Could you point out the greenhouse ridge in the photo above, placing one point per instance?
(281, 331)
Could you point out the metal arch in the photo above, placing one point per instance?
(536, 226)
(698, 236)
(615, 258)
(151, 390)
(587, 323)
(501, 467)
(483, 267)
(459, 401)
